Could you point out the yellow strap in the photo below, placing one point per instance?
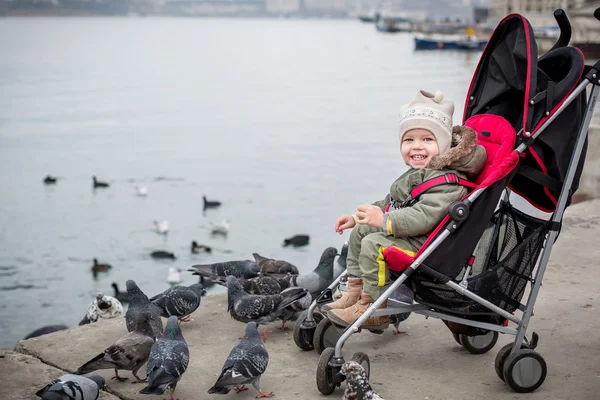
(381, 262)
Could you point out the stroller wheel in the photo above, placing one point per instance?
(501, 357)
(326, 374)
(479, 344)
(363, 359)
(326, 335)
(303, 336)
(525, 370)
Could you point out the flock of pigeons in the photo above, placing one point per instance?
(259, 292)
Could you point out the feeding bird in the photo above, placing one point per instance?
(102, 307)
(99, 184)
(129, 353)
(179, 301)
(168, 360)
(246, 363)
(162, 226)
(340, 263)
(321, 277)
(210, 203)
(139, 304)
(263, 309)
(200, 248)
(357, 383)
(406, 295)
(219, 271)
(296, 241)
(272, 266)
(72, 387)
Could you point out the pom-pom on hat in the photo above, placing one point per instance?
(429, 111)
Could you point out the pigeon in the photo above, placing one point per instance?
(123, 297)
(179, 301)
(161, 254)
(219, 271)
(404, 294)
(340, 264)
(200, 248)
(98, 184)
(45, 330)
(296, 241)
(246, 363)
(130, 352)
(293, 311)
(49, 180)
(136, 313)
(322, 276)
(262, 285)
(168, 360)
(102, 307)
(100, 267)
(210, 203)
(72, 387)
(357, 383)
(246, 307)
(271, 266)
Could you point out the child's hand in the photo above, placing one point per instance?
(344, 222)
(371, 215)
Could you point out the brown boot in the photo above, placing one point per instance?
(348, 299)
(348, 315)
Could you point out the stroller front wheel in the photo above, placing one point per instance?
(525, 371)
(479, 344)
(328, 377)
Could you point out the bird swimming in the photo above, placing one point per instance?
(161, 254)
(141, 191)
(174, 276)
(123, 297)
(162, 226)
(200, 248)
(296, 241)
(49, 180)
(210, 203)
(99, 184)
(100, 267)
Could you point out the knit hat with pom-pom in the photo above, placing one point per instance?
(429, 111)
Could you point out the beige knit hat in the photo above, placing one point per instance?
(429, 111)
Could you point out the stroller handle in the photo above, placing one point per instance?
(565, 28)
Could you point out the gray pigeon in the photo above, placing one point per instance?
(357, 383)
(293, 311)
(404, 294)
(246, 307)
(340, 264)
(168, 360)
(179, 301)
(262, 285)
(322, 276)
(72, 387)
(138, 305)
(220, 271)
(246, 362)
(129, 353)
(271, 266)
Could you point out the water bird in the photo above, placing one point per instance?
(174, 276)
(296, 241)
(161, 254)
(162, 226)
(49, 180)
(45, 330)
(141, 191)
(100, 267)
(210, 203)
(200, 248)
(123, 297)
(99, 184)
(72, 387)
(220, 228)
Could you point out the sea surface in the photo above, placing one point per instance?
(290, 123)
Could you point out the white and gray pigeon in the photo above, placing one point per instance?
(179, 301)
(72, 387)
(322, 276)
(245, 269)
(357, 383)
(246, 307)
(168, 360)
(246, 363)
(272, 266)
(340, 263)
(105, 307)
(138, 305)
(130, 352)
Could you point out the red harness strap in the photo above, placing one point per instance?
(440, 180)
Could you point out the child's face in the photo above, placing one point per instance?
(417, 147)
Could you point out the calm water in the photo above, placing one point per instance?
(288, 123)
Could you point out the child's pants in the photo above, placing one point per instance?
(364, 259)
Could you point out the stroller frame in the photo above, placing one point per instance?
(328, 373)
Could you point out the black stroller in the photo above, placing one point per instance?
(532, 116)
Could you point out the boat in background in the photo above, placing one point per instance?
(392, 24)
(457, 41)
